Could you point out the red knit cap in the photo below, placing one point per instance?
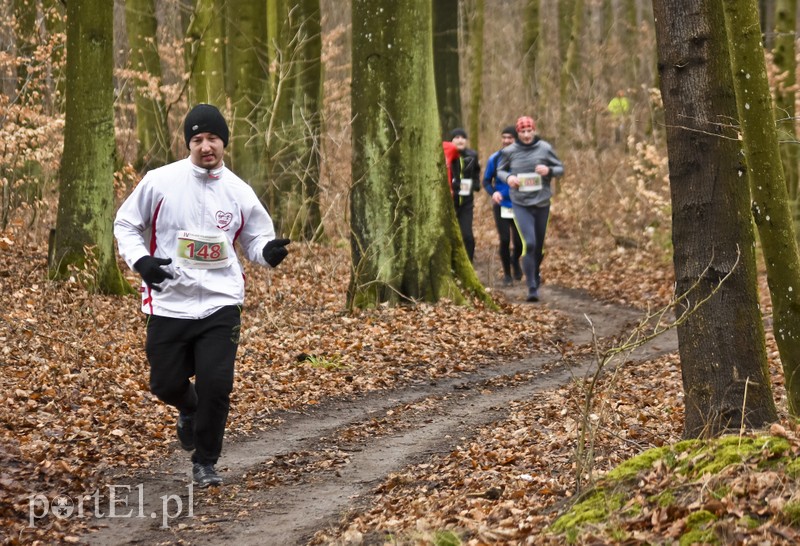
(525, 122)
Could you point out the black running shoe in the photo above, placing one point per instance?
(186, 431)
(205, 475)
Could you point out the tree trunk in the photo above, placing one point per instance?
(530, 50)
(722, 348)
(784, 58)
(293, 136)
(248, 88)
(770, 200)
(84, 236)
(766, 21)
(566, 9)
(571, 65)
(406, 244)
(630, 33)
(446, 62)
(152, 129)
(476, 72)
(205, 55)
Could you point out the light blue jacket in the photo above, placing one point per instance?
(491, 183)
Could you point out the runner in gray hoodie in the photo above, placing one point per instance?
(528, 166)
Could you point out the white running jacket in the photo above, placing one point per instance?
(193, 216)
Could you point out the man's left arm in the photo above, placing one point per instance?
(556, 167)
(257, 229)
(476, 176)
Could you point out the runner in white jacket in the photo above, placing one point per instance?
(178, 230)
(201, 213)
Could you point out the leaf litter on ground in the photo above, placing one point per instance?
(76, 405)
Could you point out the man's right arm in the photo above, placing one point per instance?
(504, 165)
(132, 220)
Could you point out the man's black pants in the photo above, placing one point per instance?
(464, 215)
(507, 230)
(178, 349)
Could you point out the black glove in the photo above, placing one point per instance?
(275, 251)
(149, 267)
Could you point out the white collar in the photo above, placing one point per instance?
(214, 174)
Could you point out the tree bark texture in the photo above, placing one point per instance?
(86, 189)
(722, 347)
(446, 61)
(770, 200)
(784, 58)
(476, 72)
(406, 245)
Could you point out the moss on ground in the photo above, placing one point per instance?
(690, 459)
(592, 509)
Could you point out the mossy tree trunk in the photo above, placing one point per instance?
(248, 87)
(152, 129)
(406, 245)
(446, 62)
(475, 42)
(295, 121)
(722, 348)
(765, 172)
(784, 57)
(205, 55)
(84, 236)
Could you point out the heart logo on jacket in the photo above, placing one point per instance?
(223, 219)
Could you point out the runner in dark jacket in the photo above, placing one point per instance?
(466, 180)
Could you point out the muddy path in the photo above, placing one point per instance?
(317, 465)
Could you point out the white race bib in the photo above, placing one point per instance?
(202, 251)
(507, 213)
(466, 186)
(529, 182)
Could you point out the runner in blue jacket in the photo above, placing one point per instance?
(502, 211)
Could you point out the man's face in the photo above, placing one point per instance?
(526, 135)
(206, 150)
(460, 142)
(506, 139)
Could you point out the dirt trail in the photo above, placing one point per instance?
(290, 512)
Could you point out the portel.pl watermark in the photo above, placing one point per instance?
(113, 501)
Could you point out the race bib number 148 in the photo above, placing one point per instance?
(201, 251)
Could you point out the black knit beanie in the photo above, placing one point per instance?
(509, 130)
(458, 131)
(205, 118)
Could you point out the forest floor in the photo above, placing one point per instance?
(396, 425)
